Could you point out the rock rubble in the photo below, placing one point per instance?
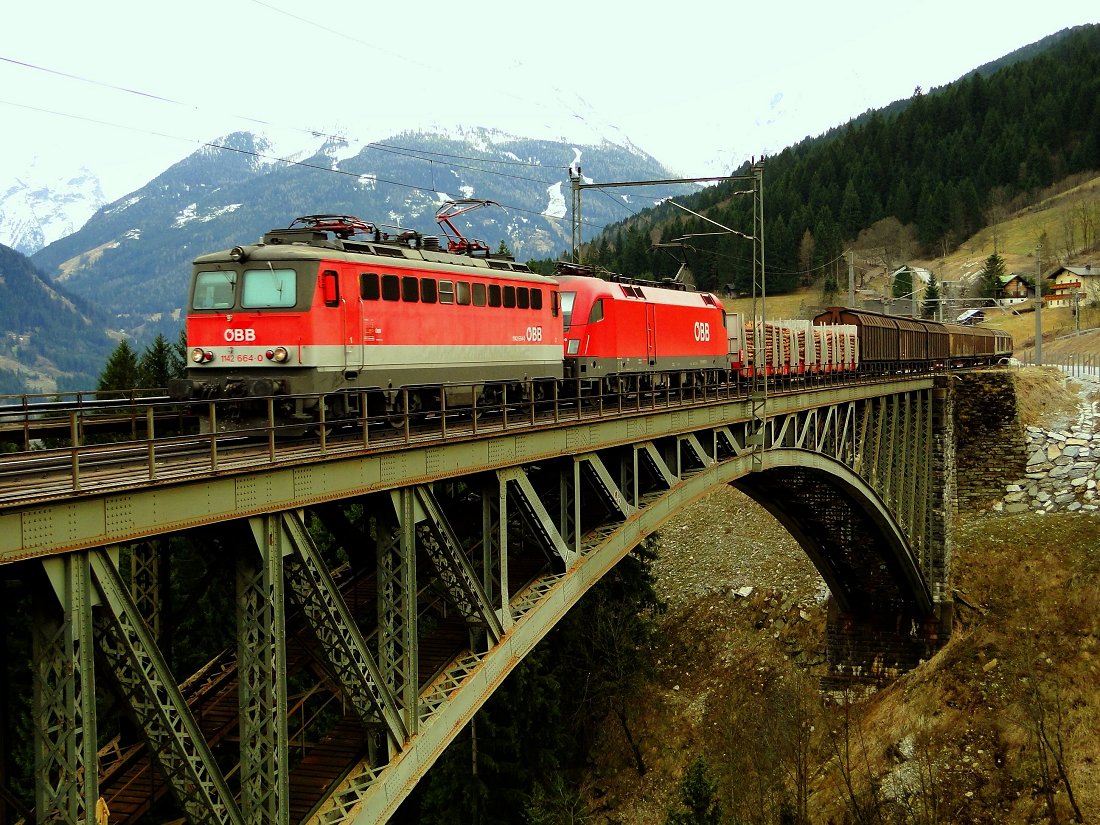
(1063, 465)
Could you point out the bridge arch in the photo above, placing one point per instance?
(472, 521)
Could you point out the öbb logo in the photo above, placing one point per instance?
(237, 336)
(702, 331)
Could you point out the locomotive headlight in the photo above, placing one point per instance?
(279, 355)
(237, 254)
(201, 356)
(574, 346)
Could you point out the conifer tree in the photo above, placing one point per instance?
(158, 363)
(699, 795)
(931, 298)
(121, 370)
(991, 276)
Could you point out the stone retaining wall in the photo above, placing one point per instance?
(988, 437)
(1062, 470)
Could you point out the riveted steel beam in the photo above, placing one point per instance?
(397, 610)
(341, 642)
(535, 513)
(66, 767)
(454, 569)
(609, 491)
(143, 677)
(261, 663)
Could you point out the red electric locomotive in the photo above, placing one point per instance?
(619, 328)
(332, 306)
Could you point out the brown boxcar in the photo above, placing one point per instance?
(892, 341)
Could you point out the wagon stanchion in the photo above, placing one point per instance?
(504, 405)
(531, 399)
(321, 428)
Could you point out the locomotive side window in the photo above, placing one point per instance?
(510, 297)
(427, 290)
(269, 289)
(214, 290)
(369, 288)
(494, 295)
(391, 288)
(596, 313)
(523, 297)
(479, 295)
(446, 292)
(463, 293)
(410, 289)
(536, 298)
(554, 303)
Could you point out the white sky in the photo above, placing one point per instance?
(701, 85)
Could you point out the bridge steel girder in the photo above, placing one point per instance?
(156, 702)
(468, 519)
(64, 694)
(821, 445)
(262, 666)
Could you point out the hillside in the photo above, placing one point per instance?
(953, 741)
(134, 256)
(49, 340)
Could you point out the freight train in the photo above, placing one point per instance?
(381, 324)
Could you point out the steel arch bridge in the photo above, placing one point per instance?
(462, 555)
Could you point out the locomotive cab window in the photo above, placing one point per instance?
(214, 290)
(269, 289)
(596, 314)
(567, 299)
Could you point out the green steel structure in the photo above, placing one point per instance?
(454, 556)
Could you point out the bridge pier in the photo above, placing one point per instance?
(876, 643)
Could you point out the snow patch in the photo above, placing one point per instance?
(556, 206)
(191, 213)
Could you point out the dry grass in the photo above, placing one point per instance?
(1042, 394)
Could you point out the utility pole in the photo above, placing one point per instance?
(851, 279)
(577, 186)
(1039, 305)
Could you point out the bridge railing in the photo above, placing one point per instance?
(1078, 364)
(81, 442)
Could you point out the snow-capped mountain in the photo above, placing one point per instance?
(35, 211)
(133, 257)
